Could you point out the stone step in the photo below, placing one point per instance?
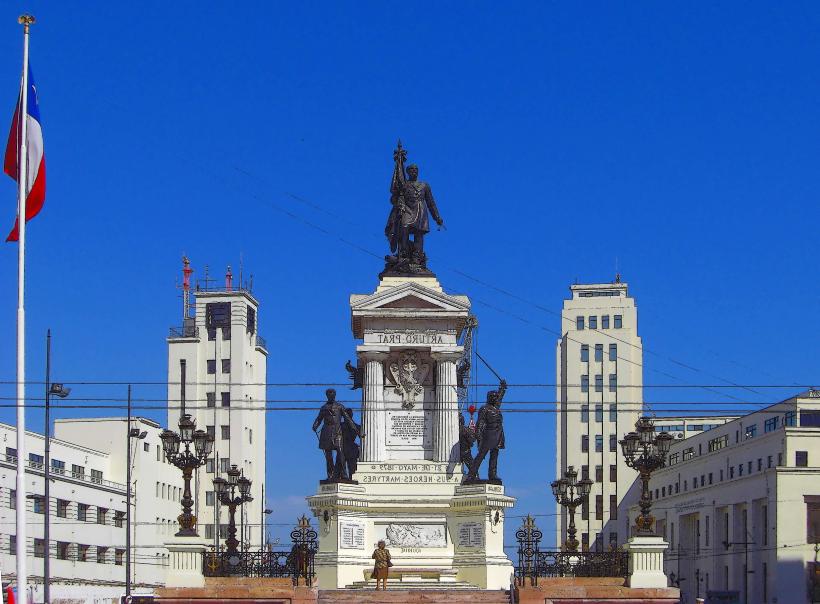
(413, 596)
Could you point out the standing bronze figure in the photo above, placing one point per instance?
(490, 434)
(411, 200)
(350, 430)
(466, 438)
(331, 438)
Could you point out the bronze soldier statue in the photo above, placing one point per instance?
(490, 434)
(331, 437)
(350, 430)
(411, 201)
(466, 438)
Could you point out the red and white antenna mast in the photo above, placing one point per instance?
(186, 287)
(229, 279)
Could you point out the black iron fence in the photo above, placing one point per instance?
(297, 563)
(534, 563)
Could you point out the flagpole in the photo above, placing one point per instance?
(22, 578)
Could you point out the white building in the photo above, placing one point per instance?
(87, 508)
(217, 366)
(739, 505)
(599, 396)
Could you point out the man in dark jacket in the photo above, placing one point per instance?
(489, 433)
(331, 438)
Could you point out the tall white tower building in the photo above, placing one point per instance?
(216, 372)
(599, 398)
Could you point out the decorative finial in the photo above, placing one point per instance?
(26, 20)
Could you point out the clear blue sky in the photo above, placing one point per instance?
(680, 142)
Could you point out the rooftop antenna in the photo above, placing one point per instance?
(229, 279)
(250, 283)
(206, 280)
(241, 284)
(617, 272)
(186, 287)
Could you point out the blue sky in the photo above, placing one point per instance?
(678, 142)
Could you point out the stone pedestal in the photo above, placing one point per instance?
(185, 562)
(646, 562)
(440, 533)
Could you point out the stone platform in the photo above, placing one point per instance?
(593, 590)
(403, 596)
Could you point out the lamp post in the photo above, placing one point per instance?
(226, 492)
(60, 391)
(265, 512)
(134, 433)
(645, 452)
(187, 461)
(570, 493)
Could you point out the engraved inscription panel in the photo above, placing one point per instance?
(409, 428)
(352, 535)
(471, 534)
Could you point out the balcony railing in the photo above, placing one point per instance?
(186, 331)
(40, 467)
(260, 341)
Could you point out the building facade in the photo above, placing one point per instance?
(739, 506)
(599, 396)
(217, 366)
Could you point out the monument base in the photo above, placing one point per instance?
(445, 535)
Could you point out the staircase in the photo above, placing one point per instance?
(413, 596)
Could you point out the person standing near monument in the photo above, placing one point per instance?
(331, 438)
(490, 434)
(381, 568)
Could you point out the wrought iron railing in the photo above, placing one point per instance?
(260, 341)
(298, 563)
(186, 331)
(534, 563)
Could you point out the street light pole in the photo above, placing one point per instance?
(226, 492)
(263, 524)
(135, 434)
(570, 493)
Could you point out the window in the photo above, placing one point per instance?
(35, 461)
(226, 399)
(82, 553)
(584, 353)
(710, 478)
(740, 469)
(613, 473)
(62, 550)
(808, 419)
(226, 432)
(599, 507)
(697, 536)
(97, 476)
(731, 472)
(218, 314)
(599, 383)
(11, 454)
(39, 504)
(673, 459)
(770, 424)
(118, 555)
(39, 548)
(209, 531)
(769, 461)
(599, 443)
(146, 447)
(101, 513)
(765, 578)
(706, 533)
(13, 544)
(613, 507)
(619, 321)
(790, 419)
(613, 352)
(801, 459)
(613, 413)
(579, 323)
(613, 443)
(77, 471)
(584, 414)
(613, 383)
(599, 413)
(599, 473)
(764, 516)
(57, 466)
(251, 321)
(749, 467)
(119, 518)
(209, 498)
(210, 397)
(209, 465)
(82, 512)
(211, 430)
(584, 542)
(585, 472)
(62, 508)
(250, 436)
(226, 333)
(101, 552)
(599, 352)
(593, 322)
(688, 453)
(750, 431)
(224, 464)
(584, 383)
(604, 321)
(159, 455)
(716, 444)
(584, 443)
(211, 334)
(226, 365)
(211, 366)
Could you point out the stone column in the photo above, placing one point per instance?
(445, 415)
(373, 414)
(646, 562)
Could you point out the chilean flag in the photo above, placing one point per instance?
(36, 175)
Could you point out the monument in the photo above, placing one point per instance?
(408, 487)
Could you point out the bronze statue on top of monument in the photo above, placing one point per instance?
(411, 200)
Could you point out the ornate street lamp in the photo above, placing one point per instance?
(226, 492)
(187, 461)
(645, 452)
(570, 493)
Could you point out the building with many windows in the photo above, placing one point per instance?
(739, 506)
